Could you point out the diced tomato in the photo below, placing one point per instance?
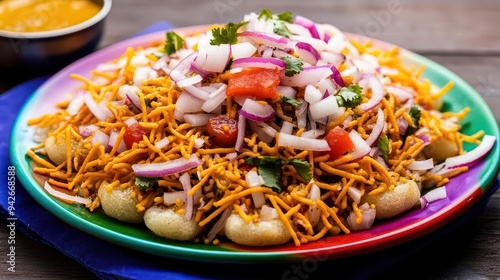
(258, 82)
(133, 134)
(223, 130)
(339, 142)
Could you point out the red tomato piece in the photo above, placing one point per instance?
(223, 130)
(339, 142)
(133, 134)
(258, 82)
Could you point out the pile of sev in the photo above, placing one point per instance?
(221, 178)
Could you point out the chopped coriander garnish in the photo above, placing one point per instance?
(350, 96)
(286, 17)
(383, 145)
(227, 34)
(291, 101)
(173, 43)
(281, 29)
(265, 14)
(269, 168)
(415, 115)
(143, 183)
(293, 65)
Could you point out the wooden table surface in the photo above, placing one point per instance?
(461, 35)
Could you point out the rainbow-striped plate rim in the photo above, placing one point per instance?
(463, 191)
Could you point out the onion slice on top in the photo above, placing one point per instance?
(165, 168)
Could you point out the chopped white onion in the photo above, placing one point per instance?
(420, 165)
(61, 195)
(433, 195)
(169, 198)
(301, 143)
(361, 148)
(162, 143)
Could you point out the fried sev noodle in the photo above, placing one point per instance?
(89, 166)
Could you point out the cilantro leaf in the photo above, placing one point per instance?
(143, 183)
(291, 101)
(265, 14)
(415, 115)
(286, 17)
(383, 145)
(281, 29)
(350, 96)
(292, 65)
(173, 43)
(302, 167)
(226, 35)
(148, 101)
(269, 168)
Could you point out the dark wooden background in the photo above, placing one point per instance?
(462, 35)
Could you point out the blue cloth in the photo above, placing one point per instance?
(108, 261)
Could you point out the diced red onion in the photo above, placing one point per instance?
(324, 108)
(318, 44)
(307, 52)
(186, 103)
(367, 219)
(301, 114)
(259, 62)
(87, 130)
(354, 193)
(189, 81)
(197, 119)
(334, 59)
(337, 77)
(472, 157)
(336, 43)
(65, 196)
(216, 98)
(377, 94)
(377, 129)
(185, 180)
(219, 225)
(242, 126)
(255, 111)
(402, 93)
(308, 76)
(402, 125)
(241, 50)
(309, 24)
(313, 212)
(262, 135)
(113, 135)
(361, 148)
(162, 143)
(217, 57)
(100, 137)
(76, 103)
(287, 127)
(130, 121)
(420, 165)
(267, 129)
(280, 53)
(100, 111)
(232, 156)
(297, 29)
(255, 180)
(182, 68)
(287, 91)
(271, 40)
(268, 213)
(313, 133)
(140, 74)
(433, 195)
(165, 168)
(327, 87)
(160, 63)
(312, 94)
(199, 143)
(302, 143)
(169, 198)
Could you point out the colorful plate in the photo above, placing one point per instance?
(463, 191)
